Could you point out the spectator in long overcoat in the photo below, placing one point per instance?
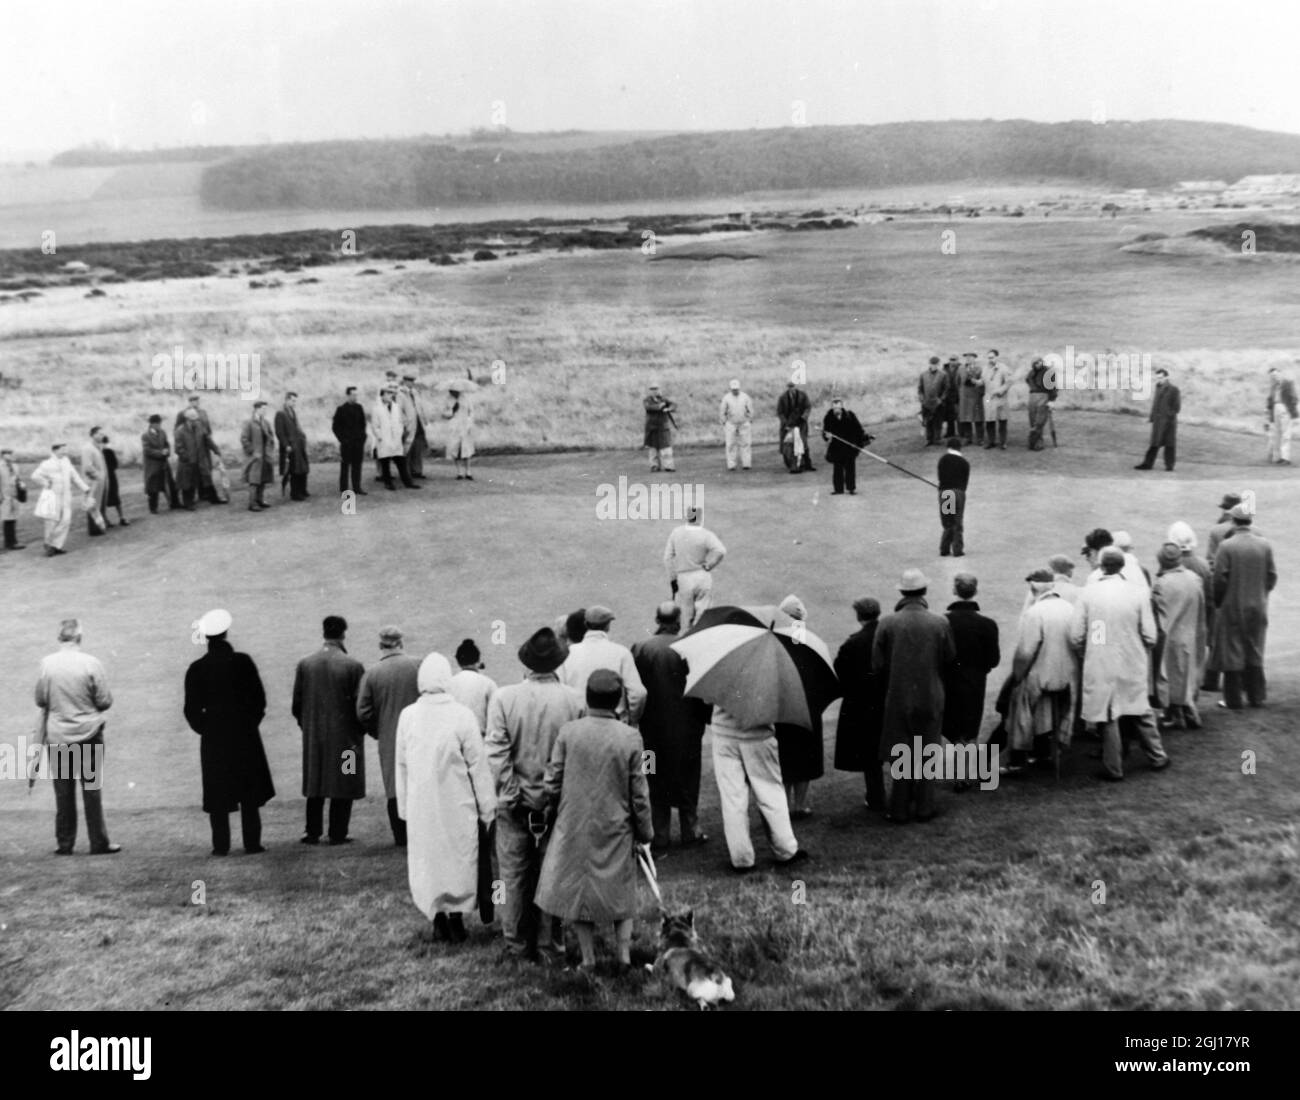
(1044, 671)
(912, 652)
(975, 637)
(932, 392)
(387, 688)
(224, 705)
(194, 451)
(951, 394)
(845, 437)
(158, 477)
(10, 484)
(1179, 601)
(1166, 403)
(672, 728)
(258, 443)
(1244, 575)
(997, 384)
(325, 688)
(792, 409)
(294, 464)
(970, 400)
(658, 428)
(857, 733)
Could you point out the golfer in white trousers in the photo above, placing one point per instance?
(746, 760)
(691, 555)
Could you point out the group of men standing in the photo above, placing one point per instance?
(964, 398)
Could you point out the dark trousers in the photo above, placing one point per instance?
(340, 816)
(250, 822)
(415, 456)
(912, 798)
(875, 780)
(989, 433)
(844, 475)
(661, 817)
(169, 485)
(952, 511)
(1247, 680)
(386, 471)
(67, 768)
(399, 826)
(298, 486)
(933, 424)
(350, 456)
(950, 421)
(11, 533)
(1171, 453)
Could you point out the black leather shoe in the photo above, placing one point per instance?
(107, 850)
(309, 840)
(256, 850)
(63, 851)
(334, 841)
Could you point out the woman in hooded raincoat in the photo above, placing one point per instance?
(444, 792)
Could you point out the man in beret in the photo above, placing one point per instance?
(388, 687)
(224, 704)
(1244, 575)
(672, 728)
(523, 722)
(857, 733)
(158, 477)
(1178, 597)
(598, 650)
(1113, 631)
(912, 652)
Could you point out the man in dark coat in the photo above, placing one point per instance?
(951, 395)
(325, 688)
(845, 435)
(387, 689)
(932, 391)
(1042, 392)
(954, 477)
(913, 650)
(259, 448)
(976, 639)
(224, 704)
(350, 430)
(857, 733)
(1221, 530)
(192, 402)
(792, 409)
(672, 728)
(157, 469)
(1244, 575)
(659, 429)
(293, 448)
(1165, 405)
(194, 451)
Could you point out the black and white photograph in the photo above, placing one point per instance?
(661, 506)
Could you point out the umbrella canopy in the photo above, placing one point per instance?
(759, 675)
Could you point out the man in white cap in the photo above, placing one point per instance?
(224, 704)
(659, 424)
(691, 555)
(913, 651)
(598, 650)
(737, 414)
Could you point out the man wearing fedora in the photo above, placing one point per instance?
(912, 652)
(224, 704)
(523, 721)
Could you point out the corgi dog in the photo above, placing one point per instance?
(685, 963)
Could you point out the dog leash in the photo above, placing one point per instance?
(647, 863)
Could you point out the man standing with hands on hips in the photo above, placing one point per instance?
(691, 555)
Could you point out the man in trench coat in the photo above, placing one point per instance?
(325, 688)
(224, 705)
(158, 478)
(1166, 403)
(294, 463)
(857, 732)
(975, 638)
(1179, 599)
(1244, 575)
(258, 443)
(387, 689)
(659, 429)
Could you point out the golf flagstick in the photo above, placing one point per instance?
(881, 458)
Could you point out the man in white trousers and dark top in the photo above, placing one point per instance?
(691, 555)
(746, 760)
(737, 419)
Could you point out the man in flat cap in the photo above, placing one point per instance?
(294, 463)
(325, 688)
(857, 734)
(659, 425)
(598, 650)
(1223, 527)
(1244, 575)
(158, 477)
(997, 383)
(224, 704)
(258, 442)
(912, 652)
(387, 688)
(737, 414)
(195, 453)
(1113, 631)
(523, 722)
(672, 728)
(691, 554)
(392, 433)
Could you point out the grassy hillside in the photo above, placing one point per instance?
(434, 172)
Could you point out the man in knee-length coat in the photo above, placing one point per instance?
(857, 731)
(1179, 599)
(1244, 575)
(386, 690)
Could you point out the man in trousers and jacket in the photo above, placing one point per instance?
(659, 428)
(970, 400)
(1244, 575)
(195, 450)
(737, 414)
(932, 392)
(1042, 392)
(10, 485)
(72, 695)
(258, 442)
(954, 478)
(1114, 631)
(975, 638)
(388, 688)
(691, 554)
(598, 650)
(1280, 414)
(392, 433)
(192, 401)
(672, 728)
(523, 722)
(857, 733)
(225, 704)
(325, 688)
(294, 464)
(912, 653)
(845, 437)
(158, 477)
(792, 410)
(1166, 403)
(57, 476)
(94, 473)
(413, 409)
(350, 430)
(997, 386)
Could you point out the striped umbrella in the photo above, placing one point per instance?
(757, 673)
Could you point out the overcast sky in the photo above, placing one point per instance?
(140, 73)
